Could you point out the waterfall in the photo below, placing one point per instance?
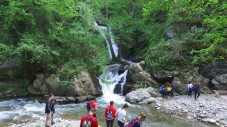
(108, 81)
(111, 77)
(108, 36)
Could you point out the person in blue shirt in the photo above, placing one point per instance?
(162, 90)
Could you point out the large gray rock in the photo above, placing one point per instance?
(140, 95)
(164, 75)
(136, 74)
(84, 86)
(144, 77)
(220, 82)
(213, 69)
(8, 68)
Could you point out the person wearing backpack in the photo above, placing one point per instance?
(110, 114)
(121, 114)
(92, 104)
(89, 120)
(137, 122)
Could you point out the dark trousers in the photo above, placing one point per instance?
(170, 93)
(164, 93)
(109, 123)
(120, 124)
(197, 94)
(190, 92)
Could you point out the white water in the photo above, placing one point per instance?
(108, 34)
(108, 80)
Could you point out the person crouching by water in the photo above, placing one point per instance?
(110, 114)
(136, 122)
(49, 110)
(121, 114)
(89, 120)
(162, 90)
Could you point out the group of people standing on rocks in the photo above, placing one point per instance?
(167, 90)
(193, 88)
(91, 120)
(110, 113)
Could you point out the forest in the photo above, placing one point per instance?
(50, 36)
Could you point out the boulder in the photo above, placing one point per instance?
(179, 86)
(212, 70)
(54, 85)
(144, 77)
(128, 87)
(135, 68)
(140, 95)
(83, 86)
(220, 82)
(117, 89)
(164, 75)
(148, 101)
(8, 68)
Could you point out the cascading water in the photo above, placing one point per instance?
(108, 81)
(107, 34)
(111, 77)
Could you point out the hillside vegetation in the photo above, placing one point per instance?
(52, 35)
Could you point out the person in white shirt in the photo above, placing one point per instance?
(189, 89)
(121, 114)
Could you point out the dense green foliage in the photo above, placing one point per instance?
(50, 36)
(53, 35)
(198, 30)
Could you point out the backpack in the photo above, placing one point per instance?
(88, 106)
(87, 122)
(109, 114)
(133, 121)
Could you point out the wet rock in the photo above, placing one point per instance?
(117, 89)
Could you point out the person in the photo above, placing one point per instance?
(49, 110)
(196, 90)
(93, 104)
(189, 89)
(162, 90)
(110, 114)
(169, 89)
(89, 120)
(137, 122)
(52, 108)
(121, 114)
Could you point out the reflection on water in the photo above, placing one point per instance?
(21, 110)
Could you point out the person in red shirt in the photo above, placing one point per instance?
(93, 104)
(110, 114)
(89, 119)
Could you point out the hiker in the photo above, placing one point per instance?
(137, 122)
(92, 104)
(89, 120)
(169, 89)
(162, 90)
(52, 108)
(49, 110)
(196, 90)
(121, 114)
(110, 114)
(189, 89)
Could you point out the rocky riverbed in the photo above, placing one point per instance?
(207, 108)
(41, 123)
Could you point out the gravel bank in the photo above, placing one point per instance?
(208, 108)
